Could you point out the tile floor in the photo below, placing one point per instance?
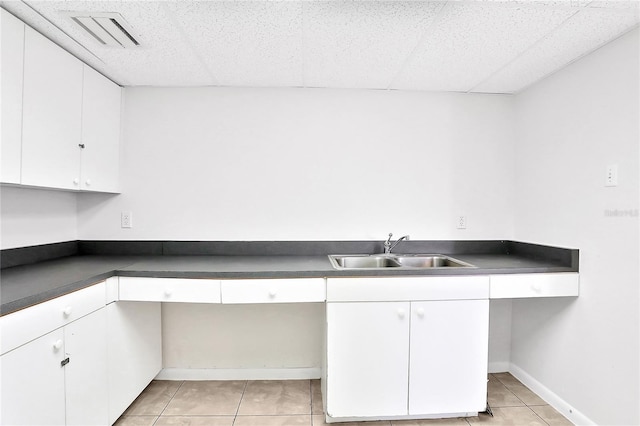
(299, 402)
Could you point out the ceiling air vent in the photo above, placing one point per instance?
(108, 28)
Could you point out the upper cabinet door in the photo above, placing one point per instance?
(100, 133)
(52, 111)
(12, 50)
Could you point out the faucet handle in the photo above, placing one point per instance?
(387, 244)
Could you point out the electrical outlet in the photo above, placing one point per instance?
(611, 178)
(462, 222)
(126, 220)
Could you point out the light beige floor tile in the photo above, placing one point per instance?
(206, 398)
(153, 399)
(316, 397)
(276, 397)
(195, 421)
(318, 420)
(135, 421)
(507, 379)
(500, 396)
(509, 416)
(296, 420)
(551, 416)
(526, 395)
(458, 421)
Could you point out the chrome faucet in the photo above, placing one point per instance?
(388, 245)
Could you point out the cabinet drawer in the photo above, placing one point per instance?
(28, 324)
(510, 286)
(274, 290)
(407, 288)
(169, 290)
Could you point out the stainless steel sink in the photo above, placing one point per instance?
(398, 261)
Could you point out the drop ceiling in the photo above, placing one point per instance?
(462, 46)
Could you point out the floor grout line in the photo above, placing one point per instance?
(244, 389)
(169, 402)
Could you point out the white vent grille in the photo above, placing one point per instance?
(107, 28)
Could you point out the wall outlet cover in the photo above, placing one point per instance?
(126, 220)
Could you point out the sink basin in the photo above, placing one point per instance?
(363, 262)
(432, 261)
(398, 261)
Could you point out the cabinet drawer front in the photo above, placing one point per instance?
(273, 290)
(169, 290)
(23, 326)
(509, 286)
(407, 288)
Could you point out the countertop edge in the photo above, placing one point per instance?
(19, 304)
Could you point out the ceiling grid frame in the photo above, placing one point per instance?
(538, 41)
(203, 64)
(415, 48)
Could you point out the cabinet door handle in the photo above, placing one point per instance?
(168, 292)
(88, 182)
(67, 311)
(272, 293)
(76, 181)
(420, 312)
(401, 313)
(57, 345)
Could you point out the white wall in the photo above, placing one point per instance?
(302, 164)
(267, 336)
(570, 127)
(31, 217)
(309, 164)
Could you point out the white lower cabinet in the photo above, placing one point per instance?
(86, 380)
(134, 352)
(407, 359)
(33, 383)
(367, 359)
(448, 356)
(59, 378)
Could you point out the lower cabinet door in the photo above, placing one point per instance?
(134, 351)
(367, 359)
(86, 373)
(448, 356)
(33, 382)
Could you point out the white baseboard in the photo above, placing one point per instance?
(564, 408)
(499, 366)
(239, 373)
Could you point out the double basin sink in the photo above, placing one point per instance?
(404, 261)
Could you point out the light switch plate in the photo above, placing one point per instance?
(611, 178)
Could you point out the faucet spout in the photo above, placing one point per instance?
(388, 245)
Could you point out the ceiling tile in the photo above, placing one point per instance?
(583, 33)
(361, 44)
(470, 41)
(246, 43)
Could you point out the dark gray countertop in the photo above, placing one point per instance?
(26, 285)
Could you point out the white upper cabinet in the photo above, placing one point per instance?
(60, 118)
(100, 133)
(12, 50)
(52, 112)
